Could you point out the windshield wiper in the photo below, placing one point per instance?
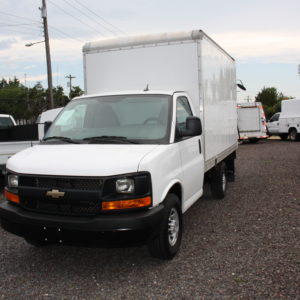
(108, 138)
(61, 138)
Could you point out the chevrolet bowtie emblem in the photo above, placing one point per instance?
(55, 194)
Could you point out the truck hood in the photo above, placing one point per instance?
(79, 160)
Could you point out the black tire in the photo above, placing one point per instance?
(230, 170)
(284, 136)
(294, 136)
(36, 242)
(218, 181)
(167, 243)
(253, 140)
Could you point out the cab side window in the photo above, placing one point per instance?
(274, 118)
(183, 110)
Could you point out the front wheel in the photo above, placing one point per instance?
(284, 136)
(167, 243)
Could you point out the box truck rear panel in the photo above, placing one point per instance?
(249, 119)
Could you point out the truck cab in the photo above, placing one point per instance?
(6, 121)
(273, 124)
(129, 154)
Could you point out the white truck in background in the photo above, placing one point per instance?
(125, 162)
(7, 121)
(252, 125)
(287, 122)
(15, 138)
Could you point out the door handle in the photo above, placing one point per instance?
(200, 150)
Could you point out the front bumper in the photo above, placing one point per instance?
(110, 229)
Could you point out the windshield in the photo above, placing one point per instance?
(114, 119)
(6, 122)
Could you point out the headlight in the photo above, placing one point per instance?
(125, 186)
(13, 181)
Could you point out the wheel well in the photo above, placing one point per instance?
(177, 190)
(291, 128)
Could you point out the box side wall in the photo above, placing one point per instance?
(290, 108)
(218, 90)
(165, 67)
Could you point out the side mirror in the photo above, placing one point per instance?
(47, 124)
(241, 86)
(193, 127)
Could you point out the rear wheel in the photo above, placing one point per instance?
(253, 140)
(218, 184)
(294, 136)
(167, 243)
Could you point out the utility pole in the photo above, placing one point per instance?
(70, 77)
(48, 57)
(248, 99)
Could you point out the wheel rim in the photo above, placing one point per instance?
(293, 135)
(224, 182)
(173, 227)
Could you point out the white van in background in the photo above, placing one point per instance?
(47, 116)
(252, 124)
(287, 123)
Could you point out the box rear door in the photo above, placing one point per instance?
(248, 119)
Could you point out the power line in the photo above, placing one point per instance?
(15, 16)
(20, 31)
(88, 16)
(75, 17)
(9, 25)
(65, 34)
(97, 15)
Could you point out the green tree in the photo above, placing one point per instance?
(59, 98)
(271, 100)
(27, 103)
(75, 92)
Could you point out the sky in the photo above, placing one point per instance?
(262, 35)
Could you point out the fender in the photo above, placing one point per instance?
(168, 188)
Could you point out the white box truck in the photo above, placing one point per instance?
(252, 125)
(286, 123)
(123, 163)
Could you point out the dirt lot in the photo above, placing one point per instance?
(246, 246)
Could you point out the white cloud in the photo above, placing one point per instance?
(61, 50)
(40, 77)
(263, 46)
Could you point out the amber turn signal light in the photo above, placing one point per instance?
(11, 197)
(126, 204)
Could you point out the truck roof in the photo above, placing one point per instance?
(249, 104)
(148, 39)
(134, 92)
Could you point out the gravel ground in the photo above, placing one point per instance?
(246, 246)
